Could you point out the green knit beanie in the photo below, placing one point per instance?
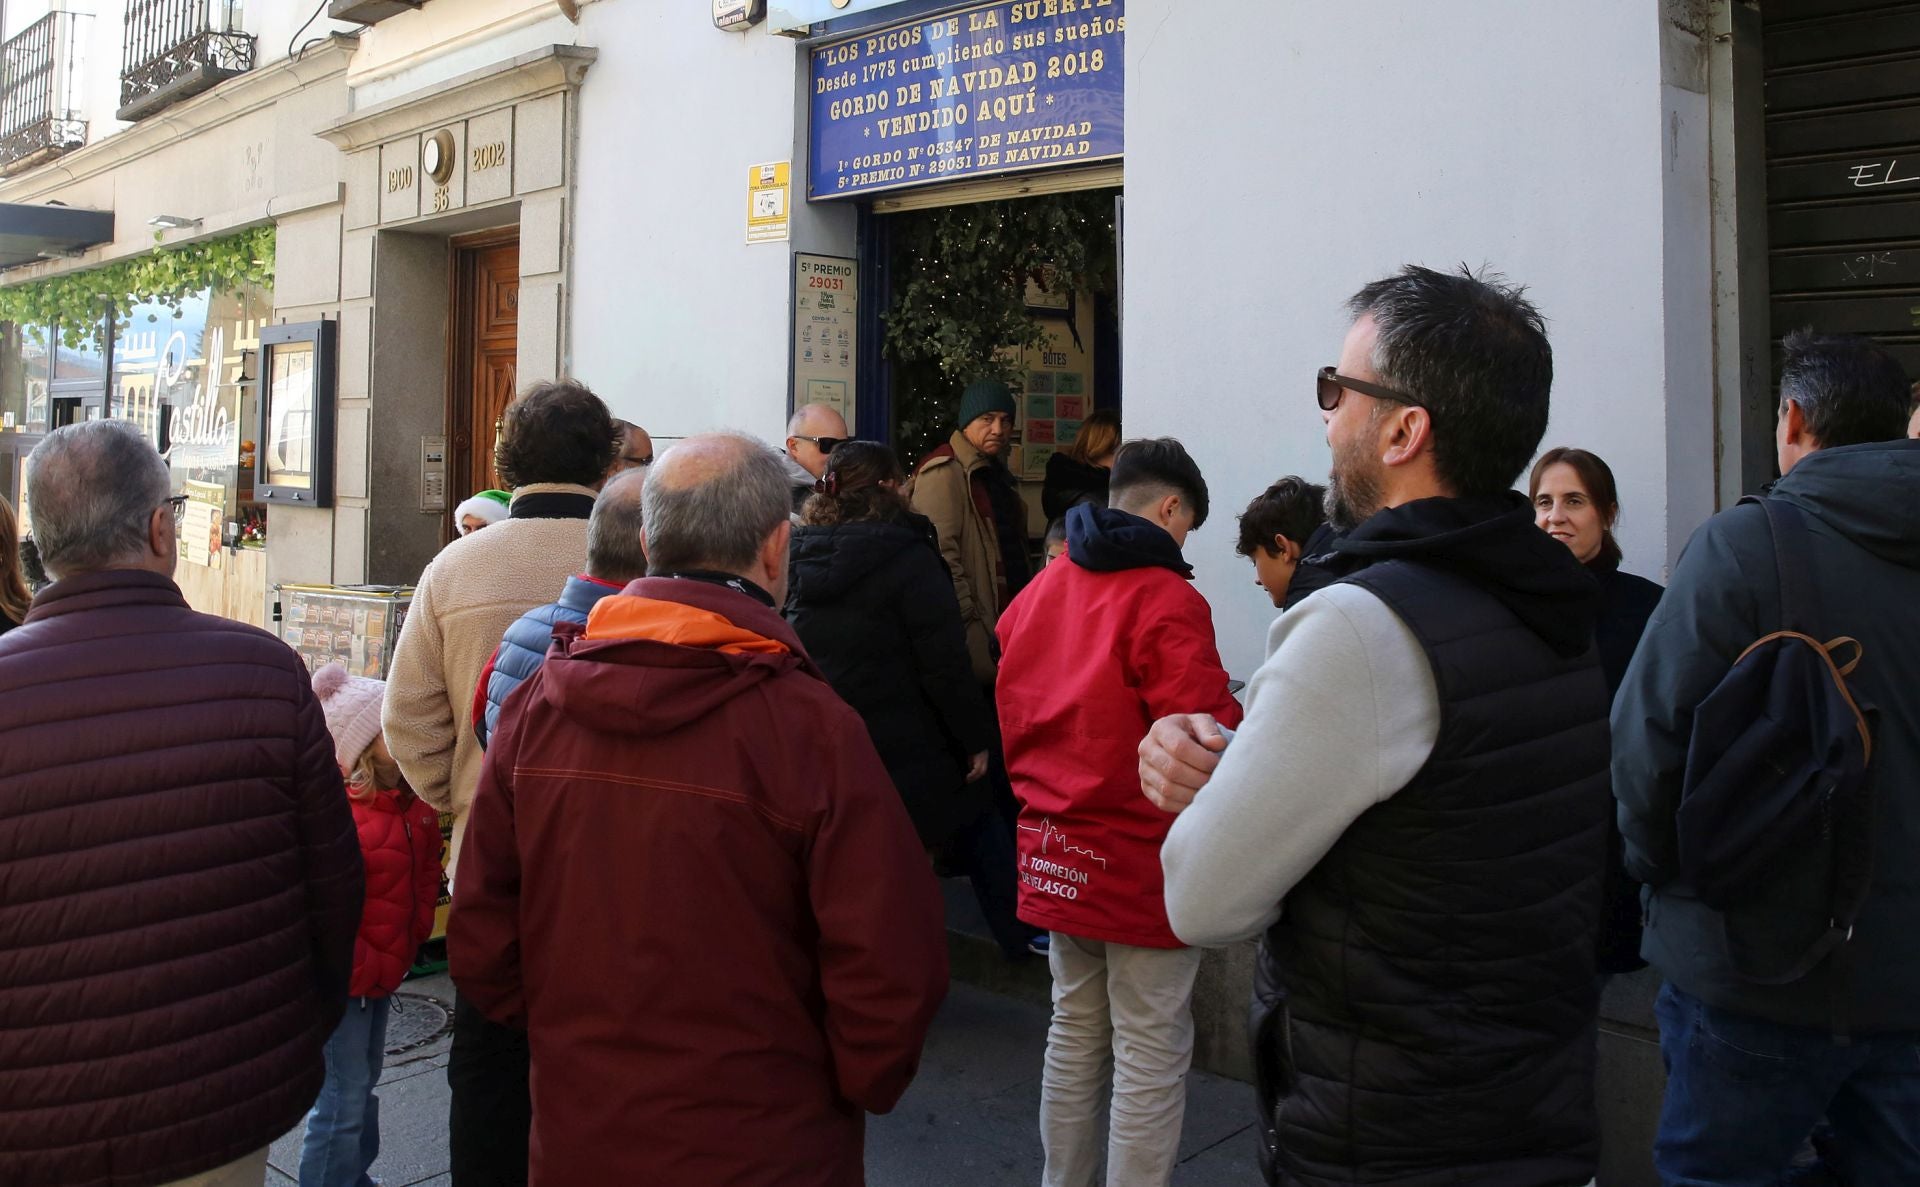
(983, 396)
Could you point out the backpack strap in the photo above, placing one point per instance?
(1792, 563)
(1831, 941)
(1799, 612)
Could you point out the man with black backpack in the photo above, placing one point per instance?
(1769, 794)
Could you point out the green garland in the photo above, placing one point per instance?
(959, 296)
(75, 300)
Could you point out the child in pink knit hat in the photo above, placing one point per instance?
(400, 845)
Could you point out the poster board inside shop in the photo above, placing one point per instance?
(1054, 391)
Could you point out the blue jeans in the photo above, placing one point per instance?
(1743, 1094)
(343, 1130)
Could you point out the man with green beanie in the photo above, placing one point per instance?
(964, 487)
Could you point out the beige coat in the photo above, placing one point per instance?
(943, 492)
(468, 597)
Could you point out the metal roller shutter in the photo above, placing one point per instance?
(1843, 169)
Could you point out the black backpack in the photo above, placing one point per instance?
(1776, 818)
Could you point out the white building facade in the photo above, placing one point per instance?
(486, 193)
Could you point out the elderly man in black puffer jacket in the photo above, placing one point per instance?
(180, 880)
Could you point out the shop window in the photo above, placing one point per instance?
(184, 372)
(86, 362)
(187, 380)
(25, 369)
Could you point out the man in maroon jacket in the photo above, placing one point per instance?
(1092, 652)
(180, 881)
(688, 875)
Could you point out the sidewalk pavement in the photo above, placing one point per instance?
(970, 1119)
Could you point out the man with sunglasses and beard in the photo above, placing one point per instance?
(1414, 810)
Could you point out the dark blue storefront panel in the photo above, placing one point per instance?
(996, 88)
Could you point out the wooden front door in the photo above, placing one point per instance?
(486, 330)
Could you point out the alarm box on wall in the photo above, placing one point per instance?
(293, 466)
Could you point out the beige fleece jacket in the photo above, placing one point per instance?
(465, 601)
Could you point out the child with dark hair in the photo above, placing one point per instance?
(1102, 644)
(1275, 530)
(1055, 545)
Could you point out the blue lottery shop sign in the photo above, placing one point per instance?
(995, 88)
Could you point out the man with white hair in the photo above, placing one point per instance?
(811, 435)
(780, 950)
(183, 880)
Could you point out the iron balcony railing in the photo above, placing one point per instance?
(40, 91)
(179, 48)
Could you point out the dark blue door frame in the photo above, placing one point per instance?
(873, 385)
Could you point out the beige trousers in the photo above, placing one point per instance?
(250, 1171)
(1131, 1010)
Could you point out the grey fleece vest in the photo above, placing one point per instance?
(1438, 963)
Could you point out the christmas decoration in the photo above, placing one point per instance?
(958, 309)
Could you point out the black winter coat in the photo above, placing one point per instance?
(180, 884)
(875, 608)
(1317, 568)
(1626, 602)
(1859, 502)
(1069, 483)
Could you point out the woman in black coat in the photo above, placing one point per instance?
(872, 602)
(1576, 502)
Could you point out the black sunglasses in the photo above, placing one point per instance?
(1332, 383)
(826, 444)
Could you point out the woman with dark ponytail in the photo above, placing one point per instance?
(873, 604)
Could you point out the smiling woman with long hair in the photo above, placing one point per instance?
(14, 595)
(1577, 502)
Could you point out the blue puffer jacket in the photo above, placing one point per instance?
(524, 648)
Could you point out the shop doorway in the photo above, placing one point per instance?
(484, 355)
(72, 406)
(1024, 289)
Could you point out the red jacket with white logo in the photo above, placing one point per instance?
(1103, 643)
(400, 844)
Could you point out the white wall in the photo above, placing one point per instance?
(415, 50)
(1279, 156)
(677, 322)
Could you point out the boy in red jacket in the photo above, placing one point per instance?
(1093, 652)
